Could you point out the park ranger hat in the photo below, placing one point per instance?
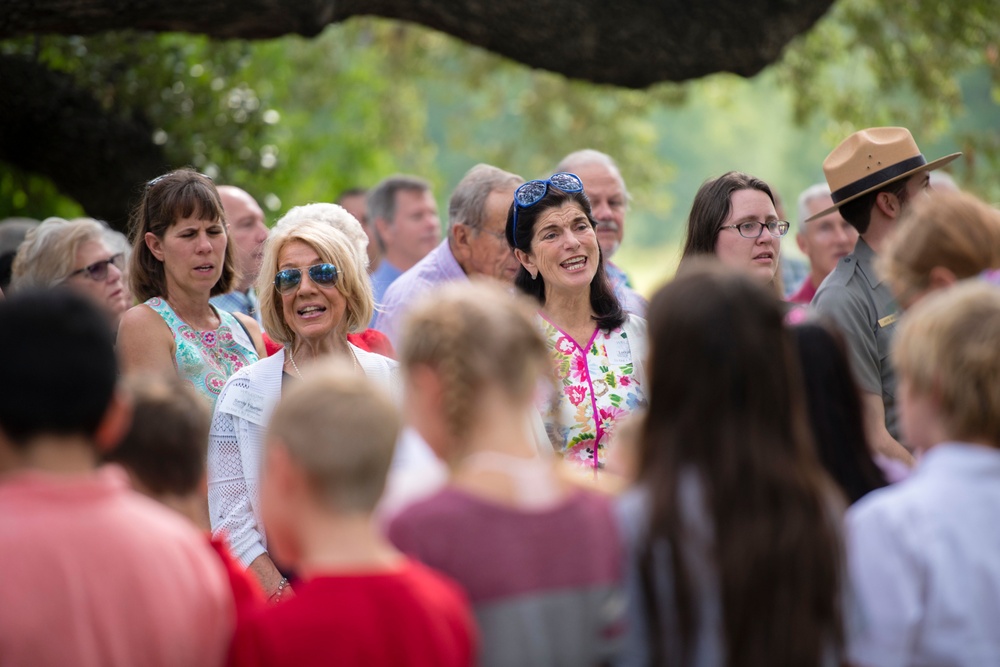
(871, 159)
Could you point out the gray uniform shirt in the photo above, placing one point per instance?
(864, 308)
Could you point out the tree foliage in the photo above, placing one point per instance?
(928, 65)
(295, 120)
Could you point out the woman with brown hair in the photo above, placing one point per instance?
(596, 347)
(733, 217)
(733, 525)
(180, 258)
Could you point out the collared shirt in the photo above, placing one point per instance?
(924, 558)
(804, 295)
(385, 275)
(439, 266)
(857, 300)
(631, 301)
(239, 302)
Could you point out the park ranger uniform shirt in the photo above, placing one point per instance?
(857, 300)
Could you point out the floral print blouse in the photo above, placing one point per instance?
(206, 359)
(598, 385)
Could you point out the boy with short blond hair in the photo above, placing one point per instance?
(360, 602)
(925, 554)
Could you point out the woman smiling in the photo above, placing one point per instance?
(313, 289)
(597, 348)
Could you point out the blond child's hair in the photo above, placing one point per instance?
(947, 348)
(341, 429)
(952, 230)
(475, 335)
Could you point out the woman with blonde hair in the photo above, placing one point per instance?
(80, 254)
(313, 290)
(180, 258)
(537, 556)
(941, 239)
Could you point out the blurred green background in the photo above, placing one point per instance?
(294, 120)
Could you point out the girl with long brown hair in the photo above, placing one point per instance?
(735, 552)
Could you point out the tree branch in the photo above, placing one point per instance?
(632, 43)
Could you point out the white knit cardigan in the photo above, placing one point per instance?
(236, 446)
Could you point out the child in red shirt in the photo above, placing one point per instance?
(358, 601)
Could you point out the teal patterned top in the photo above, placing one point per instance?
(206, 359)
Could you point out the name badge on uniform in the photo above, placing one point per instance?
(888, 319)
(619, 352)
(245, 404)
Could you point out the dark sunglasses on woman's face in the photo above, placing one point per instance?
(324, 274)
(99, 270)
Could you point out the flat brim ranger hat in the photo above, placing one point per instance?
(871, 159)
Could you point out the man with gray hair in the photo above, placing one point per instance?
(405, 216)
(475, 245)
(605, 188)
(825, 240)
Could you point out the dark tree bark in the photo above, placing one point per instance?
(631, 43)
(49, 126)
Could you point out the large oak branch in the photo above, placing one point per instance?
(631, 43)
(49, 126)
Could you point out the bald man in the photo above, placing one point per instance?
(247, 233)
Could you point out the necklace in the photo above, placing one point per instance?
(291, 358)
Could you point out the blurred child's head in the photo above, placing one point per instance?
(466, 348)
(330, 442)
(58, 375)
(165, 449)
(948, 359)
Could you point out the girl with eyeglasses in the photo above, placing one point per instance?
(313, 290)
(180, 258)
(597, 348)
(733, 218)
(79, 254)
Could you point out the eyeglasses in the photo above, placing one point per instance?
(753, 229)
(532, 192)
(324, 274)
(99, 270)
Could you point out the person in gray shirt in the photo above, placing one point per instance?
(873, 175)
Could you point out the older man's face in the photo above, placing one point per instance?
(606, 191)
(825, 240)
(488, 252)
